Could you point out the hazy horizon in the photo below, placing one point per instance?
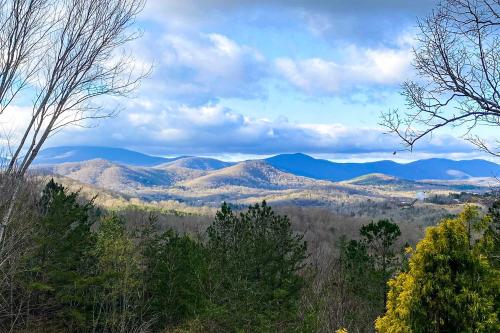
(328, 157)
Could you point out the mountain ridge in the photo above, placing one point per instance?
(68, 154)
(298, 164)
(434, 168)
(253, 174)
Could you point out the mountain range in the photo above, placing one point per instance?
(434, 168)
(285, 179)
(295, 164)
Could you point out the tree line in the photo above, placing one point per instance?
(71, 267)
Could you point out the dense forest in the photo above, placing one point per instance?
(69, 266)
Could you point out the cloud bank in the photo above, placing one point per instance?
(213, 129)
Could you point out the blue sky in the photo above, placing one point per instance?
(240, 78)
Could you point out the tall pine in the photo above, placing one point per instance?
(58, 267)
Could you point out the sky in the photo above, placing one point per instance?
(241, 78)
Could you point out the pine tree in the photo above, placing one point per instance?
(62, 258)
(116, 292)
(176, 271)
(493, 234)
(254, 262)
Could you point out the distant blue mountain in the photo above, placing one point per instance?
(58, 155)
(297, 164)
(435, 168)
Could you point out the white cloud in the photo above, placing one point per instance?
(13, 123)
(208, 67)
(214, 129)
(358, 69)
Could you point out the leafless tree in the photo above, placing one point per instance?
(72, 59)
(16, 244)
(24, 24)
(81, 64)
(457, 60)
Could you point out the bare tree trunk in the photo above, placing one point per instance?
(78, 64)
(8, 214)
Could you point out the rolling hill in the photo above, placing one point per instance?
(119, 177)
(196, 163)
(123, 169)
(297, 164)
(204, 181)
(253, 174)
(379, 179)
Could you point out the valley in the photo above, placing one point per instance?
(196, 184)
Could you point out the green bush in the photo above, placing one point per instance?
(450, 285)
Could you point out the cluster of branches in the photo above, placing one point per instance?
(62, 54)
(61, 57)
(457, 61)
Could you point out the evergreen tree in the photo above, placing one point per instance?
(254, 262)
(116, 294)
(176, 271)
(493, 234)
(365, 267)
(61, 260)
(450, 285)
(379, 239)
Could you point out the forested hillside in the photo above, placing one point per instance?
(70, 265)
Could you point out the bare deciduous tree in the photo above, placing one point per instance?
(81, 64)
(458, 62)
(24, 25)
(68, 53)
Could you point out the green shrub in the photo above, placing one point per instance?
(450, 285)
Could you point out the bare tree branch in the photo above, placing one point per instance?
(68, 53)
(82, 64)
(458, 62)
(24, 26)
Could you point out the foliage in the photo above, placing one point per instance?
(59, 264)
(117, 286)
(492, 234)
(254, 262)
(379, 239)
(450, 285)
(114, 273)
(92, 273)
(176, 271)
(363, 269)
